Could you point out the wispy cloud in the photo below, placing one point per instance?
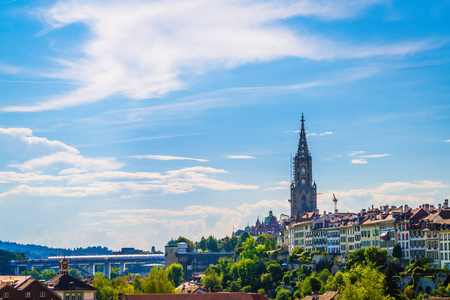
(93, 176)
(240, 157)
(192, 221)
(167, 157)
(72, 159)
(354, 153)
(146, 55)
(374, 155)
(357, 161)
(326, 133)
(447, 141)
(361, 158)
(83, 183)
(392, 193)
(26, 135)
(282, 185)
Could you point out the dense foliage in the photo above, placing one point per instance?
(5, 258)
(38, 251)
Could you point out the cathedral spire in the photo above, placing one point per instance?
(303, 187)
(302, 143)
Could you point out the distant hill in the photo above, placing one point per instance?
(39, 251)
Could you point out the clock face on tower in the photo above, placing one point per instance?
(65, 266)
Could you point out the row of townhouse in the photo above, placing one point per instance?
(420, 232)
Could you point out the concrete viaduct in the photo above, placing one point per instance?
(91, 261)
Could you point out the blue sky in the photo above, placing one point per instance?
(126, 123)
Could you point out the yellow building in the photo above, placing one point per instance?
(370, 232)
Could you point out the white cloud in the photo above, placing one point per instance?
(155, 44)
(81, 183)
(354, 153)
(362, 159)
(392, 193)
(282, 185)
(374, 155)
(192, 221)
(447, 141)
(167, 157)
(322, 133)
(358, 161)
(308, 134)
(326, 133)
(72, 171)
(240, 157)
(26, 135)
(76, 160)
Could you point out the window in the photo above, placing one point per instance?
(5, 295)
(303, 171)
(73, 296)
(67, 297)
(27, 294)
(79, 296)
(42, 294)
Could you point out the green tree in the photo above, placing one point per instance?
(324, 275)
(175, 274)
(202, 244)
(275, 271)
(5, 258)
(246, 270)
(157, 282)
(211, 278)
(442, 291)
(267, 240)
(47, 274)
(137, 283)
(248, 249)
(235, 286)
(362, 283)
(228, 244)
(391, 281)
(335, 282)
(212, 244)
(397, 251)
(311, 284)
(266, 281)
(283, 294)
(75, 273)
(375, 256)
(293, 256)
(103, 286)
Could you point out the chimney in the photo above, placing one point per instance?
(406, 208)
(446, 203)
(401, 209)
(427, 208)
(315, 295)
(439, 206)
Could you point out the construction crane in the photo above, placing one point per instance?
(335, 200)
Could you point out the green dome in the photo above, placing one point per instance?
(172, 243)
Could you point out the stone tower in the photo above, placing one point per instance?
(303, 188)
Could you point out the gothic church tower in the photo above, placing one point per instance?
(303, 188)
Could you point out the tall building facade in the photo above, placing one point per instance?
(303, 188)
